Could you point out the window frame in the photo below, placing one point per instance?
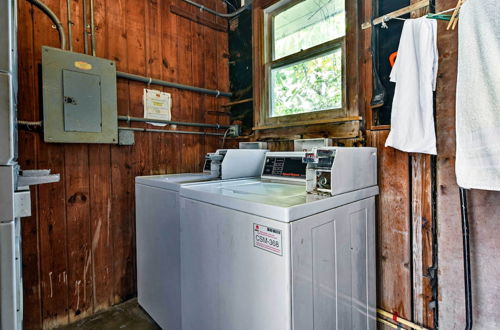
(264, 64)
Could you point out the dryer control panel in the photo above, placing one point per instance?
(336, 170)
(284, 166)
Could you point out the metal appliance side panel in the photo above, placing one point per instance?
(333, 268)
(354, 169)
(7, 205)
(158, 254)
(9, 298)
(227, 283)
(82, 102)
(8, 135)
(8, 26)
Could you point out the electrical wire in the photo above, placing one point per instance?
(43, 7)
(224, 138)
(216, 13)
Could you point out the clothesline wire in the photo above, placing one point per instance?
(388, 18)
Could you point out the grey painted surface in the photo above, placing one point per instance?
(227, 283)
(10, 264)
(158, 254)
(10, 276)
(8, 136)
(333, 262)
(82, 102)
(56, 115)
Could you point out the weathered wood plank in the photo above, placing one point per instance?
(421, 237)
(78, 231)
(166, 159)
(393, 228)
(53, 245)
(101, 227)
(100, 193)
(32, 313)
(117, 47)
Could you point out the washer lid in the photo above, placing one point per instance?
(279, 201)
(173, 181)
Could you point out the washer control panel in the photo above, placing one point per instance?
(281, 165)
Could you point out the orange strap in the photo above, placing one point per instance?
(392, 58)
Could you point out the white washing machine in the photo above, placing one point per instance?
(265, 254)
(157, 229)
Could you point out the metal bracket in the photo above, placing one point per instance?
(34, 177)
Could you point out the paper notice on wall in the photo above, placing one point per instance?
(157, 105)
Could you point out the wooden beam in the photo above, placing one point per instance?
(230, 104)
(311, 122)
(197, 19)
(396, 13)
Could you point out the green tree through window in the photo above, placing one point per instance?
(314, 82)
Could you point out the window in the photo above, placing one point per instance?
(304, 58)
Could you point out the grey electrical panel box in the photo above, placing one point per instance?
(79, 98)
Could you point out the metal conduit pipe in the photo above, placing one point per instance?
(92, 27)
(466, 251)
(154, 130)
(70, 25)
(53, 18)
(85, 31)
(149, 80)
(179, 123)
(216, 13)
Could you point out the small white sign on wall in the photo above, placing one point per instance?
(157, 104)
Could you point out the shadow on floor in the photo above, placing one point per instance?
(128, 316)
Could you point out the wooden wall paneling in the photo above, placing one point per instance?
(394, 287)
(153, 28)
(169, 66)
(79, 244)
(340, 130)
(138, 156)
(53, 244)
(366, 65)
(121, 231)
(78, 226)
(354, 104)
(422, 218)
(258, 60)
(199, 34)
(207, 78)
(32, 316)
(100, 194)
(221, 77)
(52, 217)
(100, 223)
(451, 279)
(77, 192)
(28, 160)
(78, 230)
(213, 48)
(185, 76)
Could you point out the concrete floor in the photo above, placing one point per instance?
(124, 316)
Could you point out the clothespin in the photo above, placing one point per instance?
(454, 17)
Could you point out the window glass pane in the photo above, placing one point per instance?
(307, 24)
(311, 85)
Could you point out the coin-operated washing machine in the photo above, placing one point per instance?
(157, 229)
(276, 253)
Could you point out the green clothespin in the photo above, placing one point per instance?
(440, 17)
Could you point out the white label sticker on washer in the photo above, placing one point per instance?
(267, 238)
